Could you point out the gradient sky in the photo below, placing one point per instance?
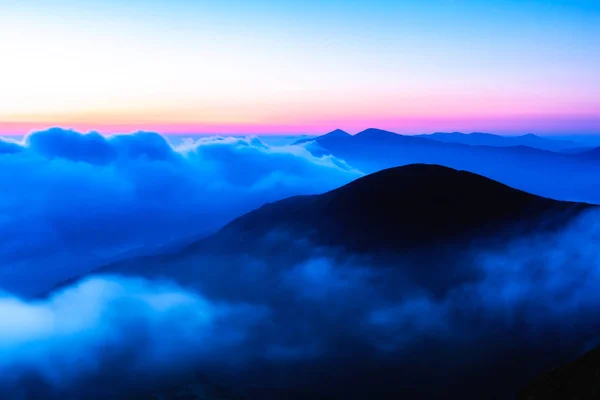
(503, 66)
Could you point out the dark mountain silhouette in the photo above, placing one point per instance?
(575, 380)
(398, 212)
(403, 208)
(415, 225)
(545, 173)
(488, 139)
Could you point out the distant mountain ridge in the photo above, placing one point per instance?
(471, 139)
(488, 139)
(559, 175)
(592, 154)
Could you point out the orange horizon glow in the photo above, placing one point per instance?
(584, 124)
(207, 67)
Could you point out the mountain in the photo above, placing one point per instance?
(577, 379)
(324, 264)
(377, 135)
(398, 213)
(471, 139)
(336, 134)
(592, 155)
(402, 207)
(339, 139)
(545, 173)
(488, 139)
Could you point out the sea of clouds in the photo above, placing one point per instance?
(70, 202)
(533, 304)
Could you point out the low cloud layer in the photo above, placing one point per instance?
(284, 318)
(71, 201)
(130, 331)
(331, 315)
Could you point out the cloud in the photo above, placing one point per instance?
(320, 279)
(125, 329)
(71, 201)
(533, 282)
(533, 303)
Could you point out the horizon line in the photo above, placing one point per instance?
(266, 133)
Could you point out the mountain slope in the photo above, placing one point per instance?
(403, 207)
(593, 154)
(545, 173)
(575, 380)
(336, 134)
(488, 139)
(396, 213)
(324, 265)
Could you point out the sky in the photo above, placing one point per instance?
(260, 67)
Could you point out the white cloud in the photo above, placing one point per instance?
(71, 201)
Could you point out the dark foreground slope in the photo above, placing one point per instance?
(376, 290)
(577, 380)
